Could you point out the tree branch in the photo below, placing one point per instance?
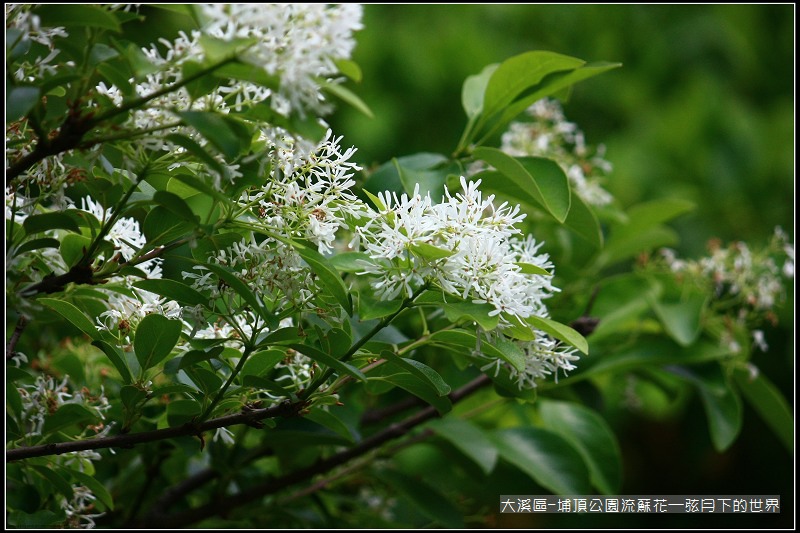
(225, 505)
(12, 342)
(249, 417)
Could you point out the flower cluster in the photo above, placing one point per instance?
(470, 249)
(309, 196)
(747, 284)
(466, 245)
(297, 45)
(550, 135)
(24, 30)
(46, 395)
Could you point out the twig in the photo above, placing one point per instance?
(12, 342)
(250, 417)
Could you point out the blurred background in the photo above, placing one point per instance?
(702, 109)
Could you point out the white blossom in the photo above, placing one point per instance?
(551, 135)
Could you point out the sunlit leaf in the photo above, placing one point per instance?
(156, 336)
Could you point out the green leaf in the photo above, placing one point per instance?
(721, 402)
(37, 244)
(19, 102)
(156, 336)
(473, 90)
(217, 49)
(330, 421)
(560, 331)
(643, 230)
(281, 335)
(420, 370)
(161, 226)
(117, 74)
(469, 439)
(550, 86)
(349, 68)
(260, 382)
(387, 177)
(194, 357)
(214, 128)
(430, 252)
(194, 148)
(327, 275)
(582, 221)
(651, 351)
(528, 268)
(375, 201)
(178, 388)
(239, 287)
(132, 396)
(200, 186)
(542, 181)
(49, 221)
(69, 414)
(55, 479)
(591, 436)
(419, 387)
(518, 74)
(428, 180)
(347, 96)
(349, 261)
(328, 360)
(467, 339)
(207, 381)
(202, 85)
(74, 247)
(73, 314)
(479, 313)
(370, 309)
(650, 214)
(39, 519)
(97, 488)
(174, 290)
(115, 356)
(101, 53)
(428, 500)
(682, 319)
(512, 353)
(260, 362)
(546, 457)
(247, 72)
(769, 403)
(181, 411)
(177, 205)
(54, 15)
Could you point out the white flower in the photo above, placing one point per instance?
(225, 435)
(551, 135)
(480, 253)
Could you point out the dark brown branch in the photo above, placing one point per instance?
(272, 486)
(249, 417)
(12, 342)
(80, 274)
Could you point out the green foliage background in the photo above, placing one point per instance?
(702, 109)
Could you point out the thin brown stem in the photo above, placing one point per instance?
(12, 342)
(250, 417)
